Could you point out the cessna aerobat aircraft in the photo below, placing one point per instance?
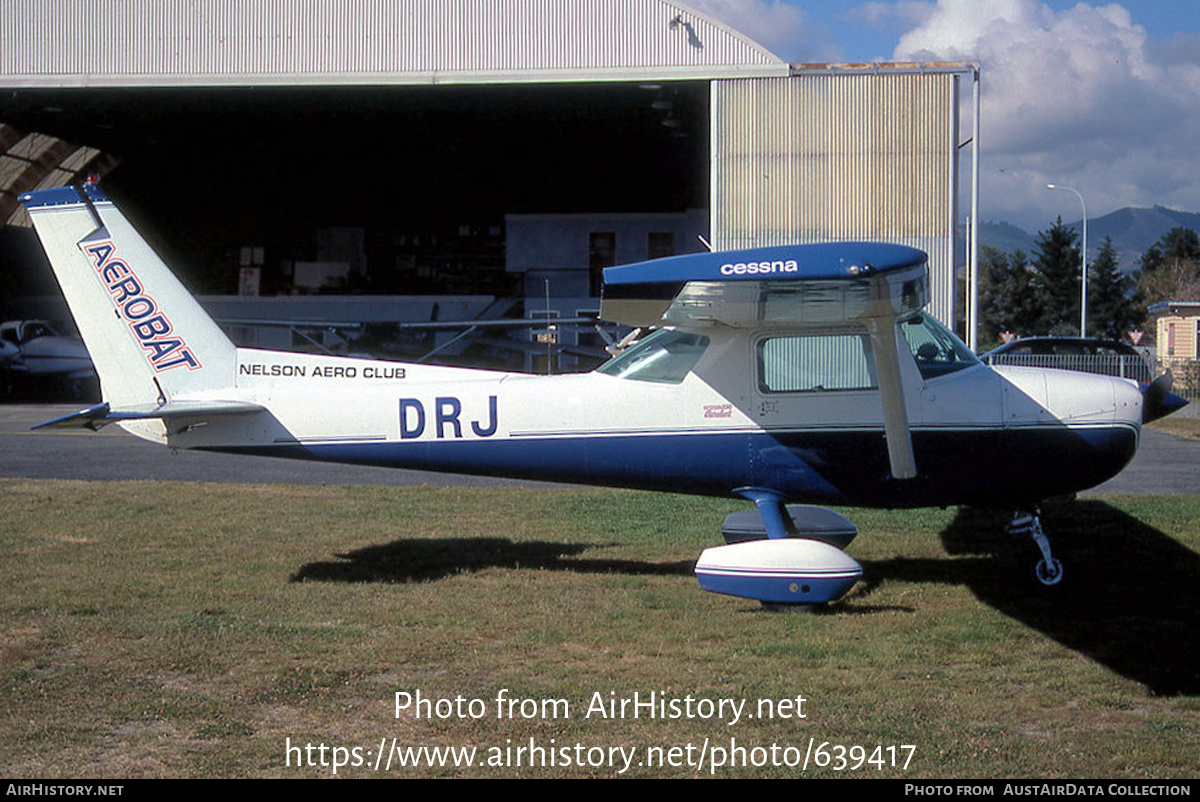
(788, 375)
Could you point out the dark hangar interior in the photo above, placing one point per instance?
(428, 172)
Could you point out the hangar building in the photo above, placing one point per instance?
(488, 150)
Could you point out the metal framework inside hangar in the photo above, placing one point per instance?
(425, 124)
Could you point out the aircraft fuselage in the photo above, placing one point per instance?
(980, 435)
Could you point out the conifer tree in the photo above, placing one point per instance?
(1112, 308)
(1178, 243)
(1056, 279)
(1007, 300)
(1171, 268)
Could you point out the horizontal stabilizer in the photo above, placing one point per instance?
(101, 415)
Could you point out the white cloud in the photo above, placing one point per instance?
(1083, 96)
(782, 28)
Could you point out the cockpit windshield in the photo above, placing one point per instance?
(936, 350)
(665, 357)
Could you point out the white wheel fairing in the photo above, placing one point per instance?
(784, 571)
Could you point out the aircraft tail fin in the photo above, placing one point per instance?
(149, 339)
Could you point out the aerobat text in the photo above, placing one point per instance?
(138, 309)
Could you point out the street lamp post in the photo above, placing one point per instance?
(1082, 261)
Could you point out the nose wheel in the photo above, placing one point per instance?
(1049, 570)
(1049, 573)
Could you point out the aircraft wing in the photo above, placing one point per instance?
(101, 415)
(869, 283)
(793, 284)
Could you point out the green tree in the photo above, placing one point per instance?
(1177, 244)
(1056, 277)
(1171, 268)
(1007, 301)
(1113, 306)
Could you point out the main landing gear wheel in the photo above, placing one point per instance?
(1049, 570)
(776, 607)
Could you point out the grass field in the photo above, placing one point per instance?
(196, 630)
(1188, 427)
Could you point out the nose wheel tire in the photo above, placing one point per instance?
(1049, 573)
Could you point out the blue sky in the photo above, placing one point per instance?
(1101, 96)
(870, 31)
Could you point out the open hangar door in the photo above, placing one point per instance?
(425, 172)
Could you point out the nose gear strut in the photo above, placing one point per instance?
(1049, 571)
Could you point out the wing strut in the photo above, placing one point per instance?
(884, 338)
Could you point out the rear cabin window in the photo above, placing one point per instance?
(815, 363)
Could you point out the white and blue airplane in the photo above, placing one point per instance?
(787, 375)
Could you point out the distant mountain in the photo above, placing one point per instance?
(1007, 237)
(1132, 229)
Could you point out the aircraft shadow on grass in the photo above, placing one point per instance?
(1131, 599)
(430, 559)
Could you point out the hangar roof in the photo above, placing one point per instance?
(29, 160)
(92, 43)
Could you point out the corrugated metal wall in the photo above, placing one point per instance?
(223, 42)
(840, 156)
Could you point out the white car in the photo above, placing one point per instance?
(35, 357)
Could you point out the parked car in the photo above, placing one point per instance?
(1087, 355)
(37, 360)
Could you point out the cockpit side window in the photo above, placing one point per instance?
(818, 362)
(665, 357)
(936, 350)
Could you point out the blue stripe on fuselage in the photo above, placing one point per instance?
(980, 466)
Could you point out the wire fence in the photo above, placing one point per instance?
(1126, 366)
(1185, 374)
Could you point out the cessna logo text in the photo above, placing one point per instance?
(754, 268)
(150, 326)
